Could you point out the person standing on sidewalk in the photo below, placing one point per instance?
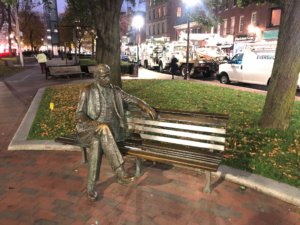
(174, 66)
(42, 59)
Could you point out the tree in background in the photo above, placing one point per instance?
(33, 33)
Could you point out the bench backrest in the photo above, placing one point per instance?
(91, 69)
(65, 69)
(193, 129)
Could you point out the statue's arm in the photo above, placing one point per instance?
(129, 99)
(81, 116)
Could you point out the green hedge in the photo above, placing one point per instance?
(126, 67)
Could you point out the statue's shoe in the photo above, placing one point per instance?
(92, 197)
(125, 178)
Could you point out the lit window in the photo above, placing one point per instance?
(232, 23)
(275, 18)
(224, 27)
(253, 19)
(164, 11)
(178, 11)
(241, 24)
(159, 15)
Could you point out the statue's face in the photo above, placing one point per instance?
(103, 78)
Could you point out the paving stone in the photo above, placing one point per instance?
(45, 222)
(110, 202)
(30, 191)
(62, 203)
(9, 215)
(161, 193)
(76, 193)
(63, 220)
(179, 199)
(2, 192)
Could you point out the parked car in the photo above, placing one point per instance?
(124, 57)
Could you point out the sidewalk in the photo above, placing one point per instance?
(48, 187)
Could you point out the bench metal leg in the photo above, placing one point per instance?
(68, 76)
(84, 156)
(207, 188)
(139, 171)
(80, 76)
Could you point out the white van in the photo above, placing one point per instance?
(253, 67)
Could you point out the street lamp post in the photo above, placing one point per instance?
(138, 22)
(189, 3)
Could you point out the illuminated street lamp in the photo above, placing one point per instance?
(189, 4)
(138, 22)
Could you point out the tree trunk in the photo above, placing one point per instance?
(93, 48)
(106, 16)
(281, 92)
(9, 30)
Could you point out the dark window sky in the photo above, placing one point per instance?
(62, 3)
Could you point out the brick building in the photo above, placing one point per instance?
(251, 24)
(265, 21)
(161, 17)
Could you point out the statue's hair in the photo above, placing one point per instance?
(101, 68)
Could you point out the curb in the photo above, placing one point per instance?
(281, 191)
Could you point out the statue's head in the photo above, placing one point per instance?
(102, 75)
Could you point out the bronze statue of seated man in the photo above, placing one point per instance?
(102, 123)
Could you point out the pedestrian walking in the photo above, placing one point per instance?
(174, 66)
(42, 59)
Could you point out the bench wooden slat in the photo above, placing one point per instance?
(176, 133)
(183, 142)
(179, 118)
(178, 126)
(168, 159)
(174, 147)
(178, 154)
(214, 115)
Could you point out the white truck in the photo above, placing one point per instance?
(253, 65)
(205, 60)
(151, 54)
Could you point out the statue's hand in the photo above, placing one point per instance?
(151, 113)
(99, 127)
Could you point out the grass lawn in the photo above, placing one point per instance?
(13, 59)
(270, 153)
(4, 70)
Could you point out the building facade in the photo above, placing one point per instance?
(161, 17)
(51, 27)
(251, 24)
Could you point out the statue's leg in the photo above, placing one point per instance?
(139, 171)
(207, 188)
(110, 148)
(84, 155)
(113, 155)
(95, 158)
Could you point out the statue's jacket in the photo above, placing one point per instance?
(90, 106)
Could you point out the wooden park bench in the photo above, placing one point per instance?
(91, 69)
(188, 139)
(64, 70)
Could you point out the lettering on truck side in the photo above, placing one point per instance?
(269, 57)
